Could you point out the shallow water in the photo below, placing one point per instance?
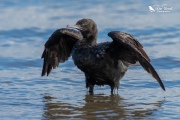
(24, 94)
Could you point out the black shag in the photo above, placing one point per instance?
(103, 63)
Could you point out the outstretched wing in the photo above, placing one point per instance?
(127, 48)
(58, 48)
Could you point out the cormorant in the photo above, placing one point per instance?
(102, 63)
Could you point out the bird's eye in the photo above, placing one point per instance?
(82, 25)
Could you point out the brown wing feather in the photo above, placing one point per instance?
(129, 41)
(58, 48)
(131, 50)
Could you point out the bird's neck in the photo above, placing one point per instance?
(90, 41)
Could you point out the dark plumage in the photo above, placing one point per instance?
(103, 63)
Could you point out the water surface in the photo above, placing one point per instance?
(24, 94)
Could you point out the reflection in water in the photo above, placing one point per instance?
(98, 107)
(21, 42)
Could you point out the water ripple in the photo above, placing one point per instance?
(24, 94)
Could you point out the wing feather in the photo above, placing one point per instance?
(129, 49)
(58, 48)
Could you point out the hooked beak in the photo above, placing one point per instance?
(75, 27)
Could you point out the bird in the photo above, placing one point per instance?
(103, 63)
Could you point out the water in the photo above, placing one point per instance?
(24, 94)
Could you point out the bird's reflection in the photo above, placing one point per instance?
(98, 107)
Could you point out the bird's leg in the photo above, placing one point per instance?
(89, 84)
(91, 88)
(112, 89)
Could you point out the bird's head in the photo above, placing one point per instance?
(88, 28)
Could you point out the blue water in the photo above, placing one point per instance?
(26, 25)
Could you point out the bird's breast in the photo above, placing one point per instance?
(94, 60)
